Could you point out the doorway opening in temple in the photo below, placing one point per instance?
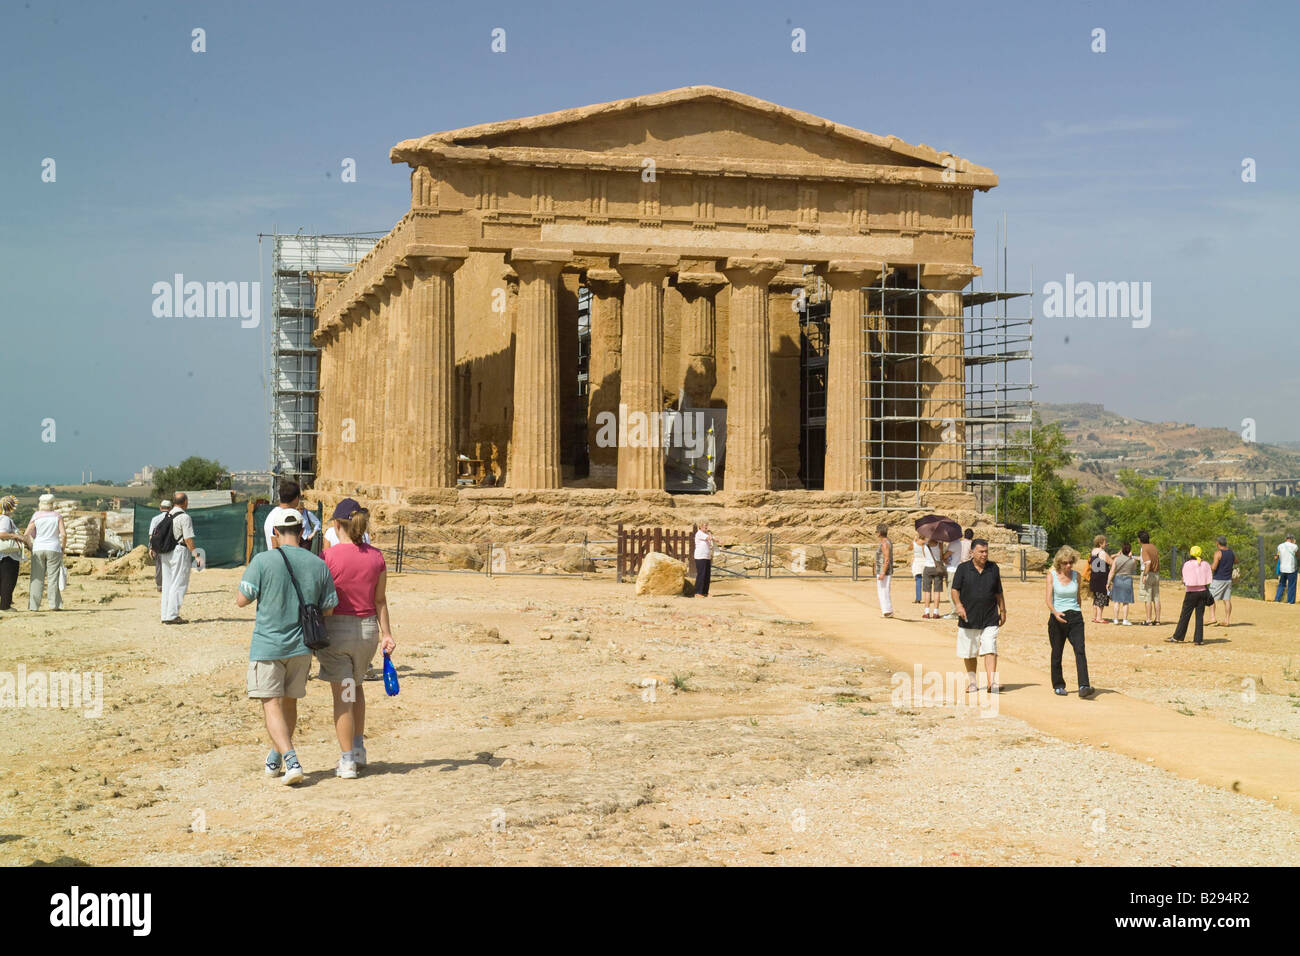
(814, 353)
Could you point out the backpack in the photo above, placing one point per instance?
(163, 540)
(1099, 565)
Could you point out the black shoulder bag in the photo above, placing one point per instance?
(309, 615)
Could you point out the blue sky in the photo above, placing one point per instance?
(1123, 165)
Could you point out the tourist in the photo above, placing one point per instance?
(1149, 582)
(164, 506)
(1196, 579)
(173, 539)
(49, 540)
(918, 565)
(703, 559)
(1286, 562)
(934, 576)
(1065, 622)
(959, 552)
(884, 570)
(1121, 582)
(355, 629)
(1099, 574)
(12, 542)
(981, 609)
(291, 497)
(1221, 568)
(278, 660)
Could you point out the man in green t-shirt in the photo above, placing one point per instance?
(278, 660)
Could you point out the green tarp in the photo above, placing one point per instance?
(221, 532)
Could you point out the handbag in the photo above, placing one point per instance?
(309, 615)
(10, 548)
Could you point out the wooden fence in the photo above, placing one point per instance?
(634, 545)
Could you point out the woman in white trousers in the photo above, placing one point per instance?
(884, 570)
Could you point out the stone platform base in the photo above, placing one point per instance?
(517, 517)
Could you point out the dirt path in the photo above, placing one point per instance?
(1200, 748)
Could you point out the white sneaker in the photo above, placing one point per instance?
(273, 766)
(293, 774)
(347, 768)
(359, 756)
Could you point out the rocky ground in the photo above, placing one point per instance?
(556, 720)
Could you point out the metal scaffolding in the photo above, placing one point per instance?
(948, 393)
(297, 262)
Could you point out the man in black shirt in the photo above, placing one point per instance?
(981, 610)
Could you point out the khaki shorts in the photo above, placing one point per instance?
(1149, 587)
(353, 642)
(286, 677)
(977, 641)
(933, 580)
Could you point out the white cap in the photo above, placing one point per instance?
(164, 503)
(281, 517)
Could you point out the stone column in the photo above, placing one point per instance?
(604, 370)
(324, 385)
(943, 377)
(431, 332)
(641, 389)
(848, 459)
(352, 397)
(534, 458)
(390, 441)
(368, 428)
(339, 401)
(400, 376)
(749, 427)
(699, 335)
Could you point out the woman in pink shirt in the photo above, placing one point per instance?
(355, 629)
(1196, 581)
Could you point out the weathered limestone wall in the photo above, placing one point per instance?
(793, 517)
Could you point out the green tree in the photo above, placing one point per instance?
(193, 474)
(1056, 500)
(1173, 520)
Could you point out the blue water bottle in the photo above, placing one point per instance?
(390, 677)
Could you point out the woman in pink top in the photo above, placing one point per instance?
(1196, 580)
(355, 629)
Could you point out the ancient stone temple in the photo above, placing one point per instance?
(678, 233)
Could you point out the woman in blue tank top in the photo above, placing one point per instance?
(1066, 620)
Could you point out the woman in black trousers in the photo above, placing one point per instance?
(11, 551)
(1066, 620)
(703, 559)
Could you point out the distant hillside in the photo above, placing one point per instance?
(1104, 443)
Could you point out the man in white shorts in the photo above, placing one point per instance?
(981, 610)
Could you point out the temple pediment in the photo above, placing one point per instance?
(698, 121)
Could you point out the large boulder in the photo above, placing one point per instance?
(660, 574)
